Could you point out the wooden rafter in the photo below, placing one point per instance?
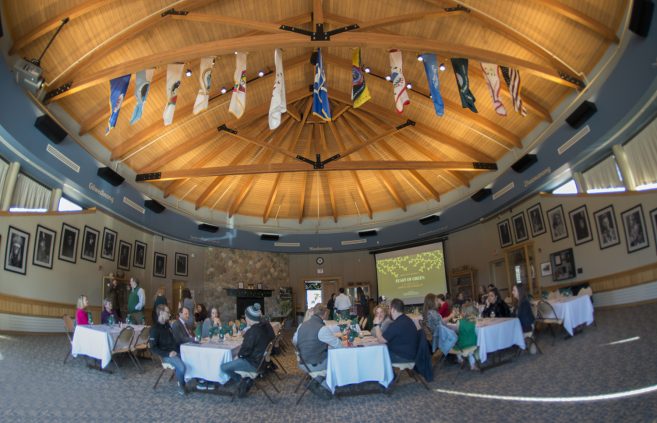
(332, 204)
(53, 23)
(582, 19)
(180, 150)
(269, 27)
(318, 12)
(394, 20)
(378, 137)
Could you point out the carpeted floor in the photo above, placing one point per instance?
(36, 386)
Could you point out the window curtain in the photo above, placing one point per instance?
(29, 194)
(604, 175)
(641, 154)
(4, 167)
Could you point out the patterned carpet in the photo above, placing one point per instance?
(36, 386)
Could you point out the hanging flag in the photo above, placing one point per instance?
(174, 72)
(278, 104)
(359, 92)
(492, 78)
(512, 78)
(118, 88)
(398, 81)
(321, 107)
(204, 79)
(461, 71)
(431, 69)
(238, 99)
(144, 78)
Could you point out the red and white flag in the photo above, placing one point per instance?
(174, 72)
(512, 78)
(398, 81)
(492, 78)
(238, 99)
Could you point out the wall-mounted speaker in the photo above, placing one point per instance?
(269, 237)
(524, 163)
(430, 219)
(365, 234)
(481, 194)
(154, 206)
(208, 228)
(581, 114)
(110, 176)
(641, 17)
(50, 129)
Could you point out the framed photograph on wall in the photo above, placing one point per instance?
(89, 244)
(636, 236)
(653, 219)
(563, 265)
(109, 244)
(520, 227)
(181, 264)
(124, 255)
(44, 247)
(504, 231)
(557, 223)
(536, 222)
(159, 265)
(68, 243)
(16, 250)
(579, 222)
(605, 222)
(140, 255)
(546, 269)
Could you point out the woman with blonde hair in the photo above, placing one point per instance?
(81, 314)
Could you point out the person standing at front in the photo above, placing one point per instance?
(136, 301)
(342, 305)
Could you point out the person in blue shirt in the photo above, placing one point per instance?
(400, 336)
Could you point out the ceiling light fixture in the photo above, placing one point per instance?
(420, 58)
(409, 86)
(223, 90)
(188, 72)
(261, 73)
(442, 67)
(388, 78)
(368, 70)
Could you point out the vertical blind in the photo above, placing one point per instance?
(4, 167)
(29, 194)
(641, 154)
(604, 175)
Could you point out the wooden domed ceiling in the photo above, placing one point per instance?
(388, 161)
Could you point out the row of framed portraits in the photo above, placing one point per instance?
(634, 226)
(91, 245)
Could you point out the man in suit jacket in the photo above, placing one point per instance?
(181, 332)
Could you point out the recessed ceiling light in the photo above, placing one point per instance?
(261, 73)
(188, 72)
(223, 90)
(420, 58)
(368, 70)
(442, 67)
(409, 86)
(388, 78)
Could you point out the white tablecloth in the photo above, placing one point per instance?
(97, 341)
(574, 311)
(369, 363)
(204, 360)
(497, 334)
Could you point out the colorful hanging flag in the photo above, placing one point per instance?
(492, 78)
(321, 107)
(205, 80)
(174, 73)
(461, 71)
(359, 92)
(512, 78)
(118, 88)
(278, 104)
(238, 99)
(431, 70)
(144, 78)
(398, 81)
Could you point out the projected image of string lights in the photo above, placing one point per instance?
(404, 265)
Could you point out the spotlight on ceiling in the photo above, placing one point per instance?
(368, 70)
(442, 67)
(261, 73)
(223, 90)
(188, 72)
(409, 86)
(420, 58)
(388, 78)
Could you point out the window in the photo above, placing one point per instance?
(66, 205)
(641, 152)
(567, 188)
(604, 177)
(29, 196)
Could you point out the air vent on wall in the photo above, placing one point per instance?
(287, 244)
(503, 191)
(62, 158)
(578, 136)
(133, 205)
(208, 228)
(353, 242)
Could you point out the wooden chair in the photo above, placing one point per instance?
(69, 329)
(122, 346)
(309, 375)
(546, 315)
(140, 346)
(260, 373)
(165, 367)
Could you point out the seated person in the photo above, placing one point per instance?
(313, 340)
(460, 299)
(81, 314)
(108, 312)
(201, 313)
(381, 313)
(495, 306)
(400, 336)
(443, 307)
(467, 337)
(255, 342)
(162, 343)
(430, 316)
(181, 333)
(522, 309)
(211, 322)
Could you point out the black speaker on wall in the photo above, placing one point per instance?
(365, 234)
(641, 17)
(154, 206)
(481, 194)
(50, 129)
(581, 114)
(110, 176)
(208, 228)
(269, 237)
(430, 219)
(524, 163)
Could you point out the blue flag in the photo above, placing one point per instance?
(321, 106)
(431, 69)
(144, 78)
(118, 88)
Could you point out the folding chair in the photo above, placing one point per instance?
(165, 367)
(530, 339)
(278, 341)
(122, 346)
(260, 373)
(69, 329)
(309, 376)
(140, 346)
(409, 367)
(545, 314)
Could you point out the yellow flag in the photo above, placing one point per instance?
(359, 92)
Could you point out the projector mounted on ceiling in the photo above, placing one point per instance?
(28, 75)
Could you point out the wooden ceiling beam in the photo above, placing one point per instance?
(329, 188)
(302, 200)
(318, 13)
(354, 175)
(399, 19)
(52, 24)
(581, 18)
(272, 198)
(268, 27)
(181, 149)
